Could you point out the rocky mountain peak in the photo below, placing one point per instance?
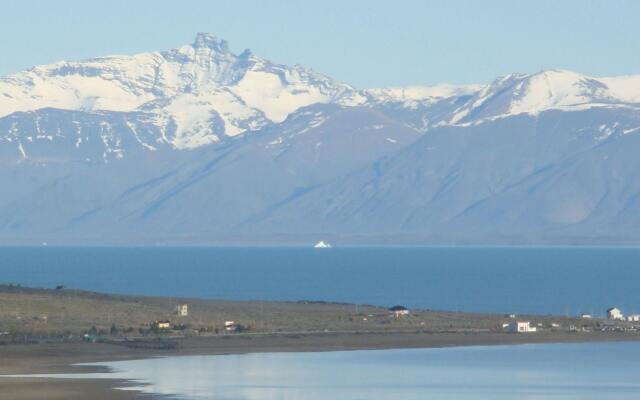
(210, 41)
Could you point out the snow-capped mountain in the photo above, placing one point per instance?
(547, 90)
(202, 93)
(198, 144)
(443, 105)
(195, 95)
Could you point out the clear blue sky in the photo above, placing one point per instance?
(367, 43)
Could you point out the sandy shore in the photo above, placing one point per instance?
(58, 389)
(58, 358)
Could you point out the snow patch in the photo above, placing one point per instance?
(411, 95)
(21, 149)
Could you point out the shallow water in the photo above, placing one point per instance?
(559, 371)
(539, 280)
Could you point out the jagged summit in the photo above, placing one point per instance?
(195, 94)
(210, 41)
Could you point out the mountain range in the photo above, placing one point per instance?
(199, 145)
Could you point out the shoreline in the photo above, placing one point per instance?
(50, 331)
(63, 358)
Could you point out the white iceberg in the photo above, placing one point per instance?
(322, 245)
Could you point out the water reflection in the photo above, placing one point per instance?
(569, 371)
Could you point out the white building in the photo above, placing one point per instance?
(519, 327)
(634, 318)
(162, 325)
(586, 316)
(230, 326)
(399, 311)
(615, 313)
(182, 310)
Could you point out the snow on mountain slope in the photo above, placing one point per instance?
(52, 135)
(624, 88)
(552, 89)
(277, 90)
(412, 96)
(202, 90)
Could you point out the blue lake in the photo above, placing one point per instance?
(539, 280)
(560, 372)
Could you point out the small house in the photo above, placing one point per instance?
(398, 311)
(615, 314)
(586, 316)
(161, 325)
(519, 327)
(182, 310)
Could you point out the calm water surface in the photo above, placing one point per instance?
(606, 371)
(491, 279)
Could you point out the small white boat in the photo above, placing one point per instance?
(322, 245)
